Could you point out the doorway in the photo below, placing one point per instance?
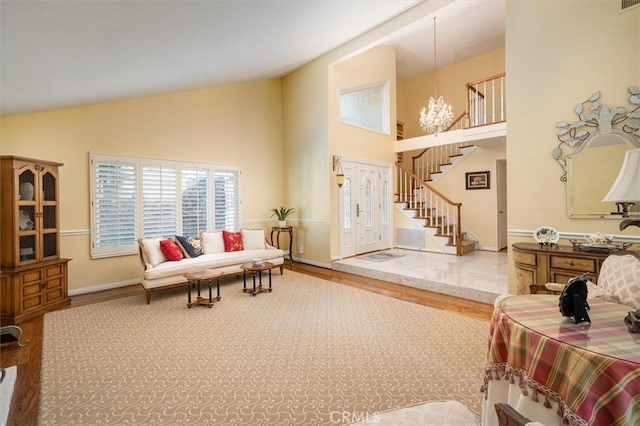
(365, 207)
(501, 190)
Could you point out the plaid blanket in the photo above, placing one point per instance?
(592, 371)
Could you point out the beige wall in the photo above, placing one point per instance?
(306, 160)
(305, 98)
(374, 66)
(479, 209)
(558, 54)
(236, 125)
(413, 94)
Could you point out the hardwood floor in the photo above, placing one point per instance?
(24, 406)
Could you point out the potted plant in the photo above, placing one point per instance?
(282, 214)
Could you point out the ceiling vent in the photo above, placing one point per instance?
(626, 5)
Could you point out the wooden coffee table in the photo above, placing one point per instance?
(195, 278)
(254, 269)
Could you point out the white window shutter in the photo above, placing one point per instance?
(227, 199)
(114, 207)
(196, 202)
(159, 200)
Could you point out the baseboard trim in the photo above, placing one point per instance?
(311, 262)
(102, 287)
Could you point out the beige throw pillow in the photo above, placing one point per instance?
(253, 239)
(151, 252)
(212, 242)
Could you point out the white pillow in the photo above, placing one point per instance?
(212, 242)
(151, 252)
(253, 239)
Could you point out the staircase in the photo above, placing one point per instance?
(436, 219)
(435, 215)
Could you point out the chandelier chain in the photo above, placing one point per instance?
(435, 60)
(439, 115)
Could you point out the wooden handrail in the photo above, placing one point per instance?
(457, 119)
(493, 77)
(448, 211)
(473, 89)
(429, 187)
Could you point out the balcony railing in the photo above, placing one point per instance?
(486, 101)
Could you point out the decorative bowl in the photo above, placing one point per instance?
(598, 239)
(256, 261)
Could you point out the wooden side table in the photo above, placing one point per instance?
(256, 269)
(195, 278)
(276, 243)
(537, 265)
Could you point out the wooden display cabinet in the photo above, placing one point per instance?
(536, 265)
(34, 277)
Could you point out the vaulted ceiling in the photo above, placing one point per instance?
(60, 53)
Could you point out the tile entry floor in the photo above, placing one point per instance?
(479, 276)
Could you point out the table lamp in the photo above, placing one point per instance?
(625, 191)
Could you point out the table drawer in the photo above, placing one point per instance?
(525, 258)
(574, 264)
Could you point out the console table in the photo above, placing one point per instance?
(536, 265)
(276, 243)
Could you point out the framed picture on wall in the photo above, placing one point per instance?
(477, 180)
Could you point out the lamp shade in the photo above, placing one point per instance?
(626, 188)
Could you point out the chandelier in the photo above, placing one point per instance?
(439, 116)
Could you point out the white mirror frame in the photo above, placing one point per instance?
(595, 120)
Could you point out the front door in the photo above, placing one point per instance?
(365, 208)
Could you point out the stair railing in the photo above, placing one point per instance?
(436, 209)
(428, 161)
(486, 101)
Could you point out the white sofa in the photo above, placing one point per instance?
(158, 272)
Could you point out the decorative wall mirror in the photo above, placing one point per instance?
(599, 139)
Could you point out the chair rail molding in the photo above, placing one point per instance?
(574, 236)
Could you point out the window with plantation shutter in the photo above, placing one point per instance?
(159, 200)
(114, 206)
(137, 197)
(196, 205)
(227, 199)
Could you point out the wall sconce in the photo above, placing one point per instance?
(625, 191)
(337, 167)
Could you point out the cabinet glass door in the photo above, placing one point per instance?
(37, 214)
(27, 215)
(49, 214)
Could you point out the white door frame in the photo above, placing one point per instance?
(501, 195)
(350, 243)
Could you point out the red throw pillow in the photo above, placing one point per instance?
(232, 241)
(171, 250)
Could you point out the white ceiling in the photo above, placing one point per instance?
(62, 53)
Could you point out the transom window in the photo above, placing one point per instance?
(135, 197)
(366, 107)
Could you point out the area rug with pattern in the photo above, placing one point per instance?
(312, 352)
